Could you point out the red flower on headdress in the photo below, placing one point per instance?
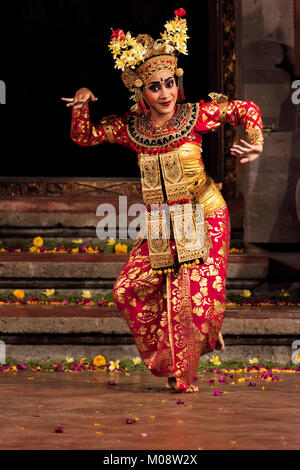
(180, 12)
(117, 34)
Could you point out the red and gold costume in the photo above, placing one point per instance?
(173, 300)
(175, 317)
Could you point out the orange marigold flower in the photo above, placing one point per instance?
(99, 361)
(19, 294)
(38, 241)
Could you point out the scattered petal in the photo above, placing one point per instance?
(20, 428)
(252, 384)
(217, 393)
(144, 434)
(36, 416)
(130, 421)
(180, 402)
(233, 443)
(111, 383)
(58, 429)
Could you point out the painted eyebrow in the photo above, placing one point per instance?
(158, 81)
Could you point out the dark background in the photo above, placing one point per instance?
(55, 47)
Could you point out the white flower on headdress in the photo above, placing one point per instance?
(174, 37)
(126, 50)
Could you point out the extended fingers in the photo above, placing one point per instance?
(240, 148)
(246, 143)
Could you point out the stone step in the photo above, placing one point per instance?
(54, 332)
(104, 266)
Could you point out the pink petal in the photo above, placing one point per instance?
(58, 429)
(130, 421)
(217, 393)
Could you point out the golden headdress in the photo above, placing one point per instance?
(141, 57)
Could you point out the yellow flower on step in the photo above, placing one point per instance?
(137, 360)
(77, 241)
(110, 304)
(49, 292)
(19, 294)
(38, 242)
(86, 294)
(215, 360)
(99, 361)
(69, 359)
(33, 249)
(112, 365)
(246, 293)
(120, 248)
(254, 360)
(284, 293)
(75, 250)
(111, 241)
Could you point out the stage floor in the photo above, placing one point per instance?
(92, 413)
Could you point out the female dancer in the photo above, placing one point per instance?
(171, 290)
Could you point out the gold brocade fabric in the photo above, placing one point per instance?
(196, 179)
(178, 174)
(198, 182)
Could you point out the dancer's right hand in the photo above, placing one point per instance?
(82, 96)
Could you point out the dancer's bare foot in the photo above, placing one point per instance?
(220, 345)
(171, 384)
(192, 388)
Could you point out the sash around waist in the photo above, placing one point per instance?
(207, 194)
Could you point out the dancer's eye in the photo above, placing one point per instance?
(170, 83)
(154, 87)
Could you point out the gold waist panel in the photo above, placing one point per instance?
(198, 182)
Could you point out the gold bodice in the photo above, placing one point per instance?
(198, 182)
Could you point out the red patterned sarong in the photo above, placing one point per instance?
(176, 318)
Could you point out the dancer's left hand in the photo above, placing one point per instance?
(248, 153)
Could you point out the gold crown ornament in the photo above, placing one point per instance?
(139, 58)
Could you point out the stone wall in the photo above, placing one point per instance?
(265, 74)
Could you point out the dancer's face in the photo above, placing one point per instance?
(160, 93)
